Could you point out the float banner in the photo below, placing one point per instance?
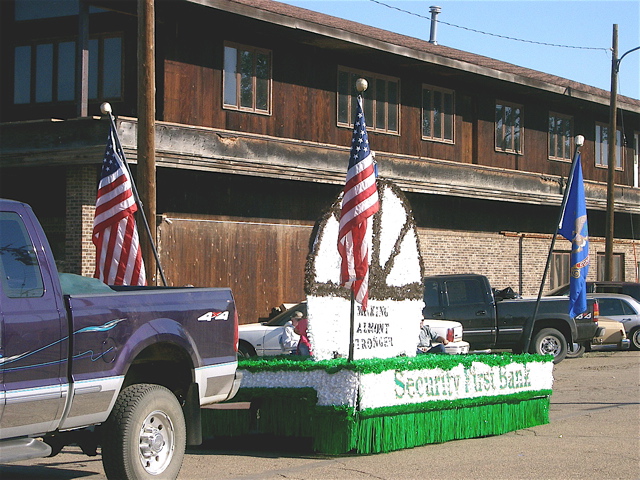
(398, 387)
(385, 329)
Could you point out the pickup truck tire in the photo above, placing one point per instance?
(550, 341)
(145, 435)
(576, 350)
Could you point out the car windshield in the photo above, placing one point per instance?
(285, 316)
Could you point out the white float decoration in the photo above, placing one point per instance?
(390, 325)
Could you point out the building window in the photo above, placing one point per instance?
(38, 9)
(636, 159)
(381, 100)
(560, 267)
(509, 129)
(602, 146)
(560, 136)
(45, 72)
(617, 267)
(437, 114)
(247, 79)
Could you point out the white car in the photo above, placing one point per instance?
(452, 331)
(263, 339)
(622, 308)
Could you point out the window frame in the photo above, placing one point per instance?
(54, 77)
(599, 149)
(520, 132)
(445, 117)
(618, 266)
(370, 99)
(562, 136)
(560, 276)
(255, 51)
(636, 160)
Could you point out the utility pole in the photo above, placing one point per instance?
(146, 128)
(611, 158)
(82, 62)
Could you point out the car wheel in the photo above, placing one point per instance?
(245, 350)
(576, 350)
(145, 435)
(634, 337)
(550, 341)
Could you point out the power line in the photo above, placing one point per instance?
(488, 33)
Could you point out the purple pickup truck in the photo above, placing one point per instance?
(125, 369)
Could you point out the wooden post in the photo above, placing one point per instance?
(611, 159)
(82, 61)
(146, 127)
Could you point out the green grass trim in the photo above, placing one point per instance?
(438, 405)
(337, 430)
(378, 365)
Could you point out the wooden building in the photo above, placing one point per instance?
(254, 108)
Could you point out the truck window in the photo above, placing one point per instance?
(463, 292)
(431, 294)
(19, 267)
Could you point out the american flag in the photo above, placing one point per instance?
(118, 255)
(359, 204)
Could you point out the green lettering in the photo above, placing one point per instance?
(503, 378)
(410, 387)
(419, 385)
(400, 386)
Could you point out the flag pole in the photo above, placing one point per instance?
(528, 327)
(352, 323)
(106, 109)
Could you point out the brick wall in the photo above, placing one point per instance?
(81, 200)
(508, 259)
(515, 260)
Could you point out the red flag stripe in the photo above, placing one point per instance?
(118, 255)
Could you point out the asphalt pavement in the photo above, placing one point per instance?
(594, 432)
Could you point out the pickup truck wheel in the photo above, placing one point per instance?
(576, 350)
(145, 435)
(634, 337)
(550, 341)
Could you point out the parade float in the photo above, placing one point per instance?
(382, 397)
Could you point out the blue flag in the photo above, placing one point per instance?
(573, 227)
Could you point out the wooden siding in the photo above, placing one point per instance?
(262, 261)
(304, 98)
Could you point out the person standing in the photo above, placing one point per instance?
(304, 346)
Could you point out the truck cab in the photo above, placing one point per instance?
(34, 336)
(467, 299)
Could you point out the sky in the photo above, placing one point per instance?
(571, 23)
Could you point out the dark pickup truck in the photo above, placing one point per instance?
(489, 322)
(82, 363)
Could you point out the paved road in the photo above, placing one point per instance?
(594, 433)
